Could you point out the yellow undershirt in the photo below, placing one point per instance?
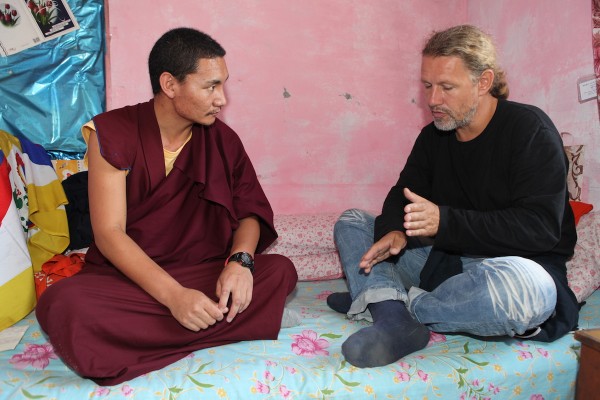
(170, 156)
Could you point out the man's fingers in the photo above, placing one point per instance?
(412, 197)
(369, 260)
(192, 327)
(224, 299)
(232, 313)
(199, 322)
(236, 308)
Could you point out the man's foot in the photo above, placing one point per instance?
(393, 335)
(339, 302)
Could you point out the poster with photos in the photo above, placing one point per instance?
(26, 23)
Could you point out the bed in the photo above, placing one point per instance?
(305, 362)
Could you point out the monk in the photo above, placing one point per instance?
(179, 219)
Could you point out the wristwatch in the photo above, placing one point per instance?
(245, 260)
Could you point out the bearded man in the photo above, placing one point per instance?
(475, 235)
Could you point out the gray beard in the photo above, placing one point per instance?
(454, 123)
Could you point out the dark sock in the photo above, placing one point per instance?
(339, 302)
(393, 335)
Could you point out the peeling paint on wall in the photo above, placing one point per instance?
(354, 70)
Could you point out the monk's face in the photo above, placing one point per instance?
(200, 96)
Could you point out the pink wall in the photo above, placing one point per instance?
(326, 95)
(546, 46)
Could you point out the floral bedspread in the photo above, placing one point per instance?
(306, 363)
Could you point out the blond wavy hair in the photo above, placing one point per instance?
(475, 48)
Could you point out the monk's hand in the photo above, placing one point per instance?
(389, 245)
(235, 283)
(421, 216)
(194, 310)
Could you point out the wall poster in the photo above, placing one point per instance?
(26, 23)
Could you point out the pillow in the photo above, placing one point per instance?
(307, 240)
(579, 209)
(575, 172)
(583, 270)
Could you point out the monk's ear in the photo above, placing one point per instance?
(486, 81)
(167, 84)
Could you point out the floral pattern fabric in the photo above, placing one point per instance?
(306, 363)
(307, 240)
(583, 270)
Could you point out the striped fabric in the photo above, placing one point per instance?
(33, 222)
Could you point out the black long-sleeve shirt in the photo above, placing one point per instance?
(503, 193)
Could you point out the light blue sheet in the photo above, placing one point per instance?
(305, 363)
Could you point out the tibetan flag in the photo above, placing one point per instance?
(17, 290)
(34, 224)
(48, 232)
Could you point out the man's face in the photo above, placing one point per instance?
(450, 92)
(200, 97)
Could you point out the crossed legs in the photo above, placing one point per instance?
(492, 297)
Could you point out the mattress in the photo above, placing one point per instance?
(305, 362)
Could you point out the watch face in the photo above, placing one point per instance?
(246, 260)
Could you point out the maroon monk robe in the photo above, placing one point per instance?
(110, 330)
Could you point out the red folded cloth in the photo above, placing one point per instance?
(58, 267)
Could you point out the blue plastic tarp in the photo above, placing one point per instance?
(49, 91)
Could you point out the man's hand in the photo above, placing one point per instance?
(389, 245)
(235, 282)
(422, 217)
(194, 310)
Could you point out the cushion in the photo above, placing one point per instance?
(579, 209)
(307, 240)
(583, 270)
(575, 173)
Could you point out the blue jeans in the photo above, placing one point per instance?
(491, 297)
